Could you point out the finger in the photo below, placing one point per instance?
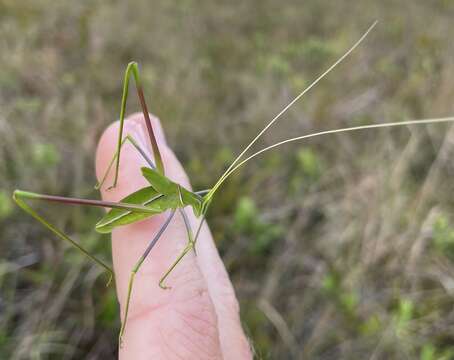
(233, 341)
(176, 323)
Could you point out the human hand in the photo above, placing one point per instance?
(198, 318)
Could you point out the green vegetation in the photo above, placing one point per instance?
(348, 237)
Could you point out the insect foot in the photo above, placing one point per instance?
(189, 247)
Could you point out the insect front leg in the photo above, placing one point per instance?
(190, 245)
(187, 225)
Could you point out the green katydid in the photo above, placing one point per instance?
(164, 195)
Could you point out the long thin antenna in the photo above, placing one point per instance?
(335, 131)
(289, 105)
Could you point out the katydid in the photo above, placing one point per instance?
(164, 195)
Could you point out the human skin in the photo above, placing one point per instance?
(198, 318)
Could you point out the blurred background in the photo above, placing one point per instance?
(340, 247)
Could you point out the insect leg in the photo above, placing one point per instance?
(99, 184)
(198, 230)
(187, 225)
(133, 69)
(24, 206)
(20, 196)
(151, 164)
(115, 157)
(137, 267)
(189, 246)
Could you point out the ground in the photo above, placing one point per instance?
(340, 247)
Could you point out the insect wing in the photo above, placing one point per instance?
(148, 197)
(160, 183)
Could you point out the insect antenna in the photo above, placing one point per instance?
(287, 107)
(336, 131)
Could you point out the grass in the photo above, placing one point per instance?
(349, 255)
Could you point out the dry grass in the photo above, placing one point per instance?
(348, 256)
